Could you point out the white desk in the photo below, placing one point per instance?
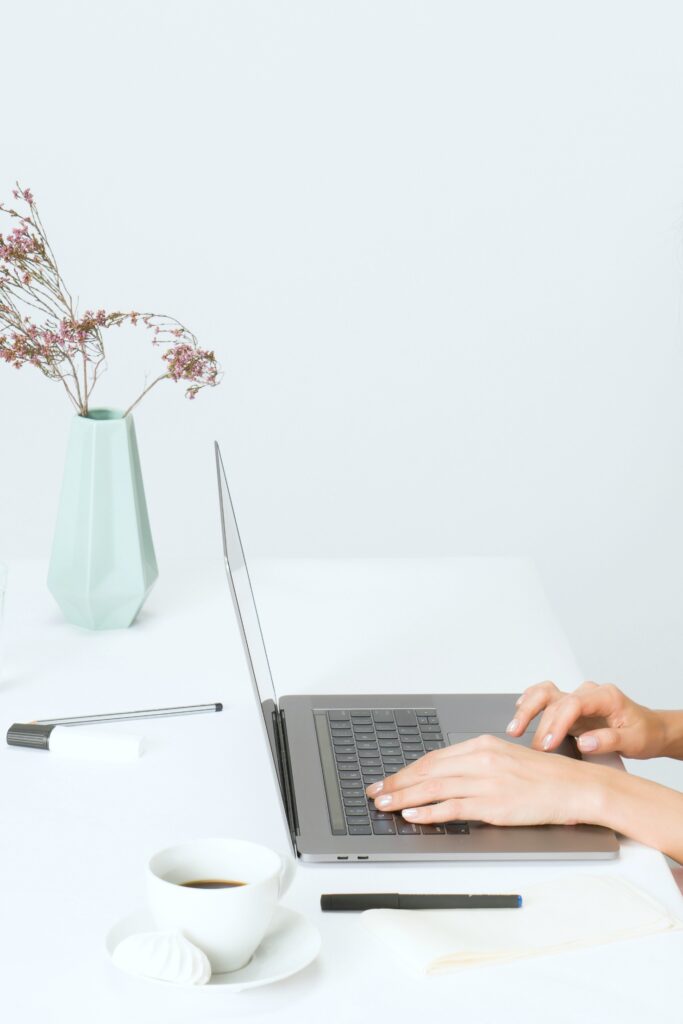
(75, 837)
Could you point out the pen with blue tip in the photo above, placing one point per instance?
(419, 901)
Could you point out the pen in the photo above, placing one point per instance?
(419, 901)
(125, 716)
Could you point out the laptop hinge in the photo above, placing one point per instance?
(286, 772)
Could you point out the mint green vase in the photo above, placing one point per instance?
(103, 564)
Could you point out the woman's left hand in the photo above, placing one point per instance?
(492, 780)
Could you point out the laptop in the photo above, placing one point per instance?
(327, 749)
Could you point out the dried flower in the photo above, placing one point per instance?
(63, 345)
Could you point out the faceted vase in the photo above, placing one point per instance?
(103, 564)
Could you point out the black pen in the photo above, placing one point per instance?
(418, 901)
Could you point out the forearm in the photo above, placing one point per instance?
(672, 722)
(637, 808)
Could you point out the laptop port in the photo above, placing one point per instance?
(342, 858)
(362, 858)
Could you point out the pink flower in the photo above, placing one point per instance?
(64, 345)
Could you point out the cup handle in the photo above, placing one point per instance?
(287, 873)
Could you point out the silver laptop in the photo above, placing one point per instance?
(327, 749)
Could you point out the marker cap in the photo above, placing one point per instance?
(29, 734)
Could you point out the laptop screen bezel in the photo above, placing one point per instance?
(264, 690)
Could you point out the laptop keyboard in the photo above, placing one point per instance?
(367, 746)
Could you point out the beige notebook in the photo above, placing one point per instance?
(566, 913)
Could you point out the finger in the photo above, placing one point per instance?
(556, 721)
(429, 792)
(439, 764)
(530, 703)
(428, 766)
(600, 741)
(447, 810)
(588, 701)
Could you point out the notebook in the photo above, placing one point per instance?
(562, 914)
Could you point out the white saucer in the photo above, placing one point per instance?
(290, 944)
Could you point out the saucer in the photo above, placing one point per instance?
(290, 944)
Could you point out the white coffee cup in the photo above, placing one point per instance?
(229, 923)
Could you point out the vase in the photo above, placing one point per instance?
(103, 564)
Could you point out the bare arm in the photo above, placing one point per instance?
(640, 809)
(673, 733)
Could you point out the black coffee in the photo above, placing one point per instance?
(211, 883)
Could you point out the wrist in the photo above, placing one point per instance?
(596, 794)
(672, 733)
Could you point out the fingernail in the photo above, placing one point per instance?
(547, 741)
(375, 788)
(587, 743)
(512, 727)
(519, 701)
(383, 801)
(410, 812)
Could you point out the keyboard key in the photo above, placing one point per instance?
(339, 716)
(383, 715)
(425, 711)
(384, 828)
(352, 789)
(355, 715)
(340, 732)
(369, 779)
(368, 744)
(344, 758)
(359, 727)
(412, 744)
(360, 830)
(433, 746)
(432, 830)
(370, 762)
(433, 720)
(429, 730)
(457, 828)
(406, 828)
(422, 720)
(408, 730)
(405, 717)
(355, 801)
(410, 758)
(380, 815)
(356, 813)
(385, 727)
(345, 776)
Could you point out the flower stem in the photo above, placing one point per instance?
(142, 395)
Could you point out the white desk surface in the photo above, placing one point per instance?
(75, 837)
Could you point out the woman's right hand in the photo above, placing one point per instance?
(601, 717)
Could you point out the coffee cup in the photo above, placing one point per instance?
(220, 893)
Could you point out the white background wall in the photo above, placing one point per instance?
(437, 246)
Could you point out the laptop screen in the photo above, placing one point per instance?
(247, 615)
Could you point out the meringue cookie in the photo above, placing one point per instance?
(166, 956)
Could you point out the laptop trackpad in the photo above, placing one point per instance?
(566, 747)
